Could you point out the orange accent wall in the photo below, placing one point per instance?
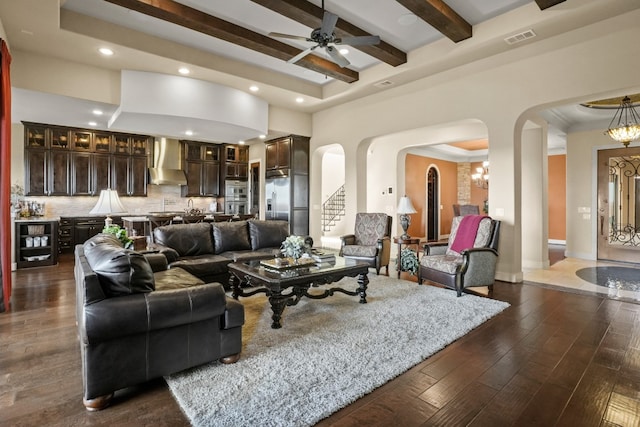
(557, 197)
(416, 168)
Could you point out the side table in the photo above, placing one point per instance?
(406, 242)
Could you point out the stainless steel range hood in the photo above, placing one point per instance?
(167, 161)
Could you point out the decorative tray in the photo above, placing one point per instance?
(287, 263)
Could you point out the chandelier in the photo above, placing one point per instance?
(625, 125)
(481, 177)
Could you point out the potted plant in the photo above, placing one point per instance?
(121, 234)
(294, 247)
(409, 261)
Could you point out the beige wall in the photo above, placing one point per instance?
(502, 92)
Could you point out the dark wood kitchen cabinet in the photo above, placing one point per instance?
(278, 153)
(81, 174)
(47, 173)
(62, 161)
(236, 158)
(202, 166)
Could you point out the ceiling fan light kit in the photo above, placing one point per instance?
(325, 37)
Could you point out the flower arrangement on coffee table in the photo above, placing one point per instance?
(294, 247)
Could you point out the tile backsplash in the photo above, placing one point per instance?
(157, 197)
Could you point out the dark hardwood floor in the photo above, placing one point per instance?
(552, 358)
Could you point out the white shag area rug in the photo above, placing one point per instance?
(329, 353)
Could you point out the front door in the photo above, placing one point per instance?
(619, 204)
(433, 206)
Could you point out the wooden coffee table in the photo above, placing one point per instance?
(286, 287)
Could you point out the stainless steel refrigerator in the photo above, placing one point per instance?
(278, 197)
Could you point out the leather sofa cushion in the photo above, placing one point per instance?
(231, 236)
(120, 271)
(175, 278)
(267, 234)
(203, 265)
(186, 239)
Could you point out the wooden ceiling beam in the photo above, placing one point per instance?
(185, 16)
(545, 4)
(310, 15)
(441, 17)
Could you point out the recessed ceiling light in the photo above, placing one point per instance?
(262, 136)
(254, 88)
(183, 70)
(105, 51)
(241, 142)
(407, 19)
(93, 124)
(188, 132)
(344, 51)
(299, 100)
(97, 112)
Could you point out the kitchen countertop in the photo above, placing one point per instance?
(38, 219)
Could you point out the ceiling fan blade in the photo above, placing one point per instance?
(359, 40)
(337, 56)
(289, 36)
(329, 21)
(301, 55)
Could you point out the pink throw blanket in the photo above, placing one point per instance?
(467, 230)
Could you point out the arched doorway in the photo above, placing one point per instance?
(433, 205)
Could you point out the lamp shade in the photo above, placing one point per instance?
(405, 206)
(108, 203)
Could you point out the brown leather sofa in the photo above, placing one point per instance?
(138, 321)
(205, 249)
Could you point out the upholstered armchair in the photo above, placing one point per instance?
(370, 242)
(460, 265)
(463, 210)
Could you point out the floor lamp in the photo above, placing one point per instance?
(404, 209)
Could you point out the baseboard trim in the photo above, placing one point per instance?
(509, 277)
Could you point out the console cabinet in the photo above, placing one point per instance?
(62, 161)
(74, 231)
(36, 243)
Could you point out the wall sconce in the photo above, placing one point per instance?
(481, 177)
(404, 209)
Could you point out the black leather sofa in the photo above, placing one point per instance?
(205, 249)
(137, 320)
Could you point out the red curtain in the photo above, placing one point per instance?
(5, 175)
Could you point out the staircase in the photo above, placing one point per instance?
(333, 209)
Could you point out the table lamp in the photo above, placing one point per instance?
(108, 203)
(404, 209)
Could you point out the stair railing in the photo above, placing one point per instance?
(333, 209)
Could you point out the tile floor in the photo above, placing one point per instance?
(563, 273)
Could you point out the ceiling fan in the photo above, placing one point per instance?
(326, 38)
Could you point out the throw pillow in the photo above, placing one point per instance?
(120, 271)
(267, 234)
(231, 236)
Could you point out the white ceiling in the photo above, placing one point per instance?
(76, 29)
